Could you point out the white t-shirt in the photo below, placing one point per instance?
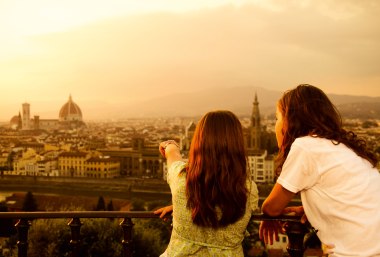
(340, 193)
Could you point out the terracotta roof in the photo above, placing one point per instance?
(70, 109)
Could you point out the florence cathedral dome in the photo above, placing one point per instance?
(70, 111)
(15, 121)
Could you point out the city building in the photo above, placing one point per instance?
(87, 164)
(186, 139)
(261, 167)
(102, 167)
(72, 164)
(70, 117)
(140, 159)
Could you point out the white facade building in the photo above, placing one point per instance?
(261, 167)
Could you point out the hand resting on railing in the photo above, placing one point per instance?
(269, 229)
(164, 211)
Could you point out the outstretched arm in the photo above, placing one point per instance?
(169, 149)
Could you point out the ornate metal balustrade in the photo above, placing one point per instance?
(294, 229)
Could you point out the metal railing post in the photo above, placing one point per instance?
(127, 225)
(296, 232)
(22, 232)
(75, 241)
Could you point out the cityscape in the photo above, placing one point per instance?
(70, 147)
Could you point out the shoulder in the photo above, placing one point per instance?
(311, 143)
(177, 166)
(175, 169)
(309, 140)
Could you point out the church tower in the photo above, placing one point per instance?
(254, 142)
(19, 121)
(25, 116)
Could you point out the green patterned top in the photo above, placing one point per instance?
(188, 239)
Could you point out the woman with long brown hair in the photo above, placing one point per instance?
(212, 195)
(333, 171)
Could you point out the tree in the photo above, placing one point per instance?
(10, 158)
(29, 203)
(2, 169)
(99, 237)
(138, 205)
(153, 205)
(150, 237)
(6, 225)
(110, 206)
(3, 206)
(101, 205)
(369, 124)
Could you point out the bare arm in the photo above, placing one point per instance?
(274, 205)
(277, 200)
(170, 150)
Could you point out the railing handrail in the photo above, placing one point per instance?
(78, 214)
(293, 227)
(118, 214)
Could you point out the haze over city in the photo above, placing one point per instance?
(117, 53)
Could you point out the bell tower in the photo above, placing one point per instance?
(254, 142)
(25, 116)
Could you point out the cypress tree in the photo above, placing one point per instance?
(110, 206)
(29, 203)
(6, 225)
(101, 206)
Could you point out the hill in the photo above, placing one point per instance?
(360, 110)
(238, 100)
(197, 102)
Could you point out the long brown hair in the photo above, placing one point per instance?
(306, 110)
(217, 171)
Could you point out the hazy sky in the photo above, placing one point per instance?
(118, 51)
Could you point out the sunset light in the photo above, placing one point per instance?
(123, 52)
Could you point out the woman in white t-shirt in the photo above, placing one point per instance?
(333, 171)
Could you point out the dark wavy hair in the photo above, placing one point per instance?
(217, 171)
(306, 110)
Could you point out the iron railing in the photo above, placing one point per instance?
(295, 230)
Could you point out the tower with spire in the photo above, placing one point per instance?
(259, 160)
(254, 134)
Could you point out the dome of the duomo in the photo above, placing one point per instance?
(15, 120)
(70, 111)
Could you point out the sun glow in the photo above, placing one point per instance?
(123, 51)
(45, 16)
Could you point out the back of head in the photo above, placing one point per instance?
(306, 110)
(216, 173)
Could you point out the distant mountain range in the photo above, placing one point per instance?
(237, 99)
(194, 104)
